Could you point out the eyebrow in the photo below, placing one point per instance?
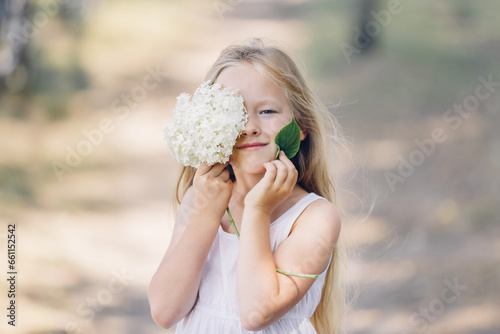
(266, 102)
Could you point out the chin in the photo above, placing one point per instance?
(256, 168)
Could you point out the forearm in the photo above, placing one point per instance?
(174, 287)
(257, 280)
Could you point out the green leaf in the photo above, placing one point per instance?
(288, 139)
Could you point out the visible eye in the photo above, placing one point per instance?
(267, 112)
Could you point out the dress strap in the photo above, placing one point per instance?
(280, 228)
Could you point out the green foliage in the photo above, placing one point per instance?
(427, 54)
(288, 139)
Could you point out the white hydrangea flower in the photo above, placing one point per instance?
(206, 126)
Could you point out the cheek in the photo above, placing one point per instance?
(279, 123)
(233, 157)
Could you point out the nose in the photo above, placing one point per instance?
(251, 127)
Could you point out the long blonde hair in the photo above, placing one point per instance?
(311, 160)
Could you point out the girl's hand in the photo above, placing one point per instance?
(276, 185)
(212, 188)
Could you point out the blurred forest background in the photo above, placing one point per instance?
(86, 88)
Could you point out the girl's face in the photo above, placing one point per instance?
(268, 112)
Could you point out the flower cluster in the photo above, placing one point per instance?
(206, 126)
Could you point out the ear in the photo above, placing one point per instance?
(303, 134)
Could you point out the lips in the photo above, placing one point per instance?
(250, 146)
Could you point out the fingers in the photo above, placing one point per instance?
(292, 171)
(214, 170)
(203, 169)
(282, 157)
(271, 171)
(225, 176)
(281, 172)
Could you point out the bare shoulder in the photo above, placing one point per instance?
(314, 235)
(324, 208)
(321, 218)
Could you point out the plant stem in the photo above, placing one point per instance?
(294, 274)
(277, 270)
(232, 223)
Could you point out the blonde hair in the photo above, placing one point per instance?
(311, 160)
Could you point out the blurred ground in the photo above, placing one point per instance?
(91, 235)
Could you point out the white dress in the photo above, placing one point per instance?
(216, 309)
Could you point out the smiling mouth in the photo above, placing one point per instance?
(251, 146)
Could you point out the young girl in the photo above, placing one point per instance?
(280, 275)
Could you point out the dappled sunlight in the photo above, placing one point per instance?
(467, 319)
(88, 180)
